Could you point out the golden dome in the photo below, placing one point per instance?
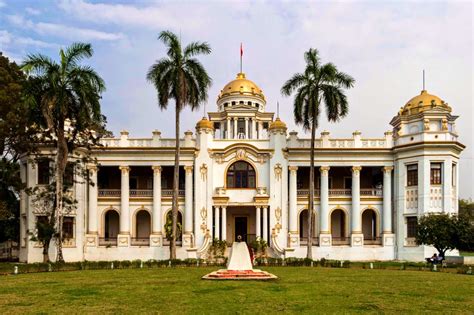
(277, 124)
(423, 102)
(241, 86)
(204, 123)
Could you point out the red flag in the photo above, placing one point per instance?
(241, 50)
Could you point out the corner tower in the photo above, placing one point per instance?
(426, 154)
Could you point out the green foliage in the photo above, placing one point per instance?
(218, 247)
(260, 246)
(181, 77)
(169, 228)
(17, 137)
(445, 232)
(67, 94)
(319, 85)
(466, 208)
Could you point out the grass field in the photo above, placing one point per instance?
(180, 290)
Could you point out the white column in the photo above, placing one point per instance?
(265, 223)
(228, 128)
(247, 134)
(221, 126)
(356, 217)
(235, 127)
(292, 216)
(188, 200)
(156, 215)
(125, 201)
(260, 127)
(387, 200)
(93, 195)
(216, 222)
(424, 168)
(324, 200)
(446, 178)
(257, 223)
(254, 131)
(224, 223)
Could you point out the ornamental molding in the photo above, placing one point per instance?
(241, 151)
(203, 171)
(278, 171)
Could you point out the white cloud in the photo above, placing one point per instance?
(32, 11)
(7, 39)
(63, 31)
(74, 33)
(2, 4)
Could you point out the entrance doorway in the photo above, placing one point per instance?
(240, 228)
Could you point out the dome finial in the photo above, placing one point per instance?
(424, 80)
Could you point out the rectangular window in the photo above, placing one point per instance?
(68, 178)
(411, 226)
(68, 228)
(412, 175)
(435, 174)
(43, 172)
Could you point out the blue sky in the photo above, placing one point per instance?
(383, 45)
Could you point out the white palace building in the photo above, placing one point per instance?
(242, 173)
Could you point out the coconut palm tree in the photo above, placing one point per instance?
(68, 95)
(320, 85)
(181, 77)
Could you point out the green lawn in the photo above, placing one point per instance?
(180, 290)
(466, 253)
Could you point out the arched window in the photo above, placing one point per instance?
(338, 227)
(369, 225)
(143, 224)
(304, 226)
(241, 175)
(111, 224)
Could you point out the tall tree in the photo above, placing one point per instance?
(181, 77)
(320, 85)
(17, 137)
(68, 95)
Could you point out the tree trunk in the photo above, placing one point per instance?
(46, 252)
(309, 253)
(174, 210)
(61, 162)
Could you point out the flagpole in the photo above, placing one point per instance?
(241, 53)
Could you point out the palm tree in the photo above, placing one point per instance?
(68, 95)
(320, 84)
(179, 76)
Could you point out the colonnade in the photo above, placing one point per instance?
(356, 221)
(125, 214)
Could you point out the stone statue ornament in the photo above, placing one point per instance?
(239, 266)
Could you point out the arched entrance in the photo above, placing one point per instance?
(338, 228)
(303, 227)
(111, 228)
(369, 226)
(168, 228)
(142, 229)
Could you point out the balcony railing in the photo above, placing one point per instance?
(140, 241)
(304, 241)
(141, 193)
(169, 192)
(134, 193)
(376, 192)
(107, 241)
(372, 240)
(109, 192)
(338, 241)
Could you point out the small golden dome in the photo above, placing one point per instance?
(423, 102)
(241, 86)
(277, 124)
(204, 123)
